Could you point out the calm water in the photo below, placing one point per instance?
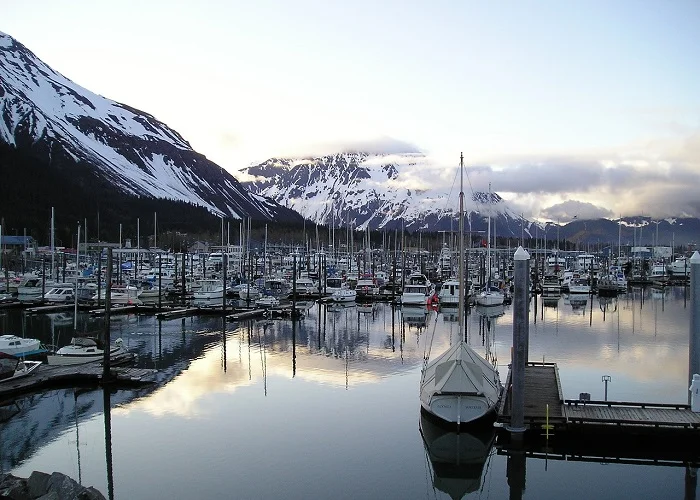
(328, 407)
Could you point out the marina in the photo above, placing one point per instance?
(366, 362)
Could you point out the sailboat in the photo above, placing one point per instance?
(490, 295)
(459, 386)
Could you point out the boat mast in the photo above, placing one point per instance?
(488, 245)
(460, 309)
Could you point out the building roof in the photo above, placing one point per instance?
(17, 240)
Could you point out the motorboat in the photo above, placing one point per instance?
(12, 367)
(679, 267)
(83, 350)
(209, 289)
(32, 286)
(267, 301)
(449, 293)
(120, 294)
(579, 285)
(551, 284)
(65, 292)
(245, 291)
(415, 294)
(19, 346)
(344, 295)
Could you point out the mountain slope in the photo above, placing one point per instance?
(372, 190)
(47, 116)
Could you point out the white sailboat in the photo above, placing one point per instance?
(490, 295)
(459, 386)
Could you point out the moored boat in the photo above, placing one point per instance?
(12, 367)
(83, 350)
(19, 346)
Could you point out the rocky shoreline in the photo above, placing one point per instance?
(40, 485)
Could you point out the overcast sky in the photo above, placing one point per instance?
(568, 108)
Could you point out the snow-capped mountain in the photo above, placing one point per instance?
(61, 123)
(372, 190)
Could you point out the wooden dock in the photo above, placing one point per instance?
(75, 375)
(619, 413)
(544, 405)
(251, 313)
(542, 394)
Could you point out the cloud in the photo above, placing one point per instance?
(383, 145)
(567, 211)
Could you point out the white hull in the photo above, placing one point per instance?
(488, 299)
(459, 386)
(459, 409)
(414, 298)
(17, 346)
(344, 296)
(78, 359)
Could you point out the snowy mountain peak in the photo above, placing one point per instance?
(46, 113)
(365, 190)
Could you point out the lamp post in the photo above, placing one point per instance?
(605, 379)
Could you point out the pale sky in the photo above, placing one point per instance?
(567, 108)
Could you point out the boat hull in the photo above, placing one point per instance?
(459, 409)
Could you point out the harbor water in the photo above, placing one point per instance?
(327, 406)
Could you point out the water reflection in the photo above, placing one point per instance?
(457, 460)
(223, 387)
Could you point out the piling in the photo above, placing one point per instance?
(108, 305)
(694, 343)
(521, 325)
(225, 271)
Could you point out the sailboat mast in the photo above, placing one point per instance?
(460, 309)
(488, 244)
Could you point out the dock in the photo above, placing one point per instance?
(544, 405)
(76, 375)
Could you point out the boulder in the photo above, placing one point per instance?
(38, 484)
(14, 488)
(64, 486)
(51, 495)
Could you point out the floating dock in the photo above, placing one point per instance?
(544, 405)
(76, 375)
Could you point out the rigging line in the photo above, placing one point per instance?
(426, 356)
(449, 195)
(428, 472)
(487, 472)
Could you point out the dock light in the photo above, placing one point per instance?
(606, 379)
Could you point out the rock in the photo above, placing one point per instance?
(38, 484)
(91, 494)
(14, 488)
(64, 486)
(51, 495)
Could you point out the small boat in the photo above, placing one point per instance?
(61, 293)
(491, 296)
(83, 350)
(12, 367)
(344, 295)
(245, 291)
(267, 301)
(18, 346)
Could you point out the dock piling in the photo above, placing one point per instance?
(694, 340)
(520, 339)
